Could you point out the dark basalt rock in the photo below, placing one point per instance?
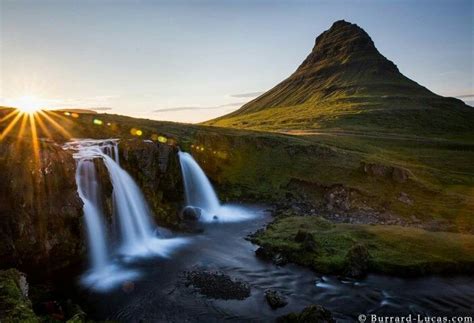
(275, 299)
(357, 261)
(190, 213)
(311, 314)
(156, 169)
(262, 253)
(215, 284)
(277, 258)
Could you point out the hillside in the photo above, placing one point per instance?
(266, 166)
(346, 83)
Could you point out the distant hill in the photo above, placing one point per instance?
(345, 83)
(76, 110)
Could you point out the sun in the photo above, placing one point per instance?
(28, 104)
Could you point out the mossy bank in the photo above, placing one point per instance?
(355, 250)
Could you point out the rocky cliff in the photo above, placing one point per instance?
(155, 167)
(40, 211)
(41, 222)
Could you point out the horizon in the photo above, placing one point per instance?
(189, 62)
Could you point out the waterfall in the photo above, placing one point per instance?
(88, 190)
(136, 225)
(138, 234)
(198, 189)
(200, 193)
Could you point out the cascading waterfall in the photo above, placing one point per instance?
(200, 193)
(136, 225)
(88, 190)
(198, 190)
(138, 235)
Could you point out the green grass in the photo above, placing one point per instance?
(392, 249)
(263, 166)
(371, 115)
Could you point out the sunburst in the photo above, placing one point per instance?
(26, 117)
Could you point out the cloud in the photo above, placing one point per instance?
(465, 96)
(191, 108)
(246, 95)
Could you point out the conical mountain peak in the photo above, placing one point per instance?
(346, 83)
(344, 43)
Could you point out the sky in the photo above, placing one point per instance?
(190, 61)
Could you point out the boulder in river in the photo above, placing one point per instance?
(215, 284)
(275, 299)
(311, 314)
(190, 213)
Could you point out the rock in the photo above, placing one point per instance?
(338, 198)
(190, 213)
(311, 314)
(156, 169)
(217, 285)
(262, 253)
(14, 303)
(302, 235)
(40, 210)
(279, 259)
(275, 299)
(306, 239)
(276, 257)
(395, 173)
(404, 198)
(357, 261)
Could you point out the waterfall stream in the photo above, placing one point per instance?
(88, 189)
(200, 193)
(138, 235)
(198, 190)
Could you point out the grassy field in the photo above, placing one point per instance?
(392, 249)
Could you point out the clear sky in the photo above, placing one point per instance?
(191, 61)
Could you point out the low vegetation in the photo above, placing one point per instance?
(325, 246)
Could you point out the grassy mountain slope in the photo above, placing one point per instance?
(345, 83)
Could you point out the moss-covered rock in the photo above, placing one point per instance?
(357, 260)
(14, 303)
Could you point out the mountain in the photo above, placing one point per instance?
(346, 83)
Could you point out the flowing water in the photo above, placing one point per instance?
(88, 190)
(160, 294)
(138, 236)
(200, 193)
(198, 190)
